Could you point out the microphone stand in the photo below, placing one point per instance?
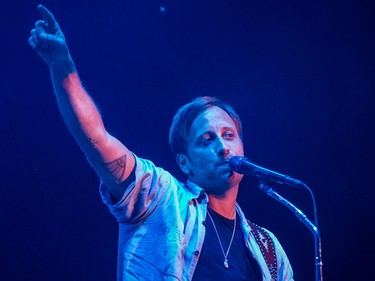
(302, 217)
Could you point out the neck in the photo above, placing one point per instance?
(225, 204)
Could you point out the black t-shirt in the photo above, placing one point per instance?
(242, 265)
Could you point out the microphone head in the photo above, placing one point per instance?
(235, 163)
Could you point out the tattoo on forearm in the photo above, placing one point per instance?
(92, 141)
(117, 168)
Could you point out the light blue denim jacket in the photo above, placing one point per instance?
(161, 228)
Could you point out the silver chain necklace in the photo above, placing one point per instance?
(225, 254)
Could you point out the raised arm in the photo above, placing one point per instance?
(112, 161)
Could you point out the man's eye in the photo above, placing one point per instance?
(228, 135)
(207, 139)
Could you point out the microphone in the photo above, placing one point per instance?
(242, 165)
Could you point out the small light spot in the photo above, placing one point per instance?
(162, 9)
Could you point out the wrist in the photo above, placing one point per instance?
(63, 68)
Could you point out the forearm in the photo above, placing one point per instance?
(111, 160)
(78, 110)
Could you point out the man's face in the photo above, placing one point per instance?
(213, 141)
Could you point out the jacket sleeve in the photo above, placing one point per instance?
(150, 189)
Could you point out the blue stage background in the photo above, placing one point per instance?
(300, 74)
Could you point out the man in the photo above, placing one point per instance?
(168, 230)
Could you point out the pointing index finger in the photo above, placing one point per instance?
(48, 16)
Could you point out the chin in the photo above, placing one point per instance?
(217, 188)
(235, 179)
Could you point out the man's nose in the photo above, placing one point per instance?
(222, 147)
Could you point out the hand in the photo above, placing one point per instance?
(48, 40)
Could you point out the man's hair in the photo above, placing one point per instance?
(179, 133)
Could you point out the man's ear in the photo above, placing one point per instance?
(183, 162)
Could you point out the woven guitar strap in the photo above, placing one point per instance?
(267, 248)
